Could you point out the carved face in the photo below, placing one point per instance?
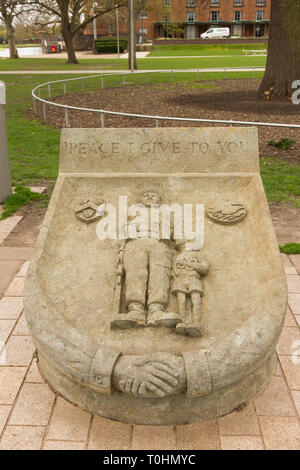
(150, 197)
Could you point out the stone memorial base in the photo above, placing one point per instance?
(147, 324)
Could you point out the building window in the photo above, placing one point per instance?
(166, 19)
(191, 16)
(143, 16)
(237, 15)
(190, 3)
(167, 2)
(214, 3)
(238, 3)
(260, 15)
(214, 16)
(110, 29)
(260, 3)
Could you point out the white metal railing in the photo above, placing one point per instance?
(46, 102)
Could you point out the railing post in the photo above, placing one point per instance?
(34, 105)
(197, 75)
(102, 119)
(44, 112)
(102, 82)
(82, 85)
(171, 75)
(65, 88)
(253, 72)
(156, 122)
(123, 78)
(49, 90)
(66, 117)
(147, 76)
(224, 72)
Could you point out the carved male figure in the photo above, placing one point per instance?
(147, 263)
(189, 267)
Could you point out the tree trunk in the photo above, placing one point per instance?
(283, 62)
(69, 40)
(134, 40)
(13, 53)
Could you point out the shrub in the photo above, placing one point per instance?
(110, 45)
(283, 144)
(290, 248)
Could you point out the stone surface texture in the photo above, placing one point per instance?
(69, 289)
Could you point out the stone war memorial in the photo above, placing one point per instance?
(157, 293)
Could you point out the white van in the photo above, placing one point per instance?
(216, 33)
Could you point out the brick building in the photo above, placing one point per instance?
(189, 18)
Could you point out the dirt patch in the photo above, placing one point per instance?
(220, 99)
(26, 231)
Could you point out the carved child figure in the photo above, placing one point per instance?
(189, 267)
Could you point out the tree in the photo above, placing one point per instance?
(283, 61)
(73, 16)
(9, 9)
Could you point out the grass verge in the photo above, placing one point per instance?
(21, 197)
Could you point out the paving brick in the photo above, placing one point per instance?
(289, 318)
(280, 433)
(285, 260)
(238, 423)
(296, 398)
(109, 435)
(293, 284)
(153, 438)
(63, 445)
(8, 270)
(297, 318)
(16, 287)
(275, 400)
(241, 443)
(295, 259)
(19, 351)
(294, 303)
(33, 406)
(6, 327)
(288, 337)
(290, 270)
(9, 224)
(278, 370)
(10, 309)
(16, 253)
(22, 438)
(37, 189)
(21, 328)
(11, 379)
(4, 412)
(33, 375)
(23, 270)
(68, 423)
(198, 436)
(291, 369)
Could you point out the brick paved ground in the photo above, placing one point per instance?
(33, 417)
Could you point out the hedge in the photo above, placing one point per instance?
(110, 44)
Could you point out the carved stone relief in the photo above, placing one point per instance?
(227, 214)
(89, 210)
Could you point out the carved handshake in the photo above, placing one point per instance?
(153, 375)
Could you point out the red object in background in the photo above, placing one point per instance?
(53, 48)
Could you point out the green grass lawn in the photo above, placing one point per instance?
(122, 64)
(34, 147)
(204, 49)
